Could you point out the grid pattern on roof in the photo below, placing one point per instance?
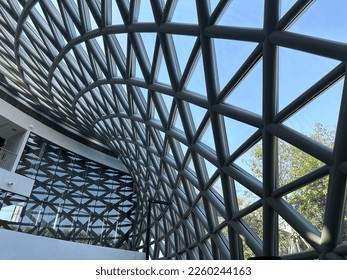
(187, 99)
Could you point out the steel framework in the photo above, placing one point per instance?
(113, 70)
(73, 198)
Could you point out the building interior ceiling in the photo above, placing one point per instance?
(197, 106)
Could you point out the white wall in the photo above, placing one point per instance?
(15, 183)
(22, 246)
(31, 124)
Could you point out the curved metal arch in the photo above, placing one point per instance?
(171, 150)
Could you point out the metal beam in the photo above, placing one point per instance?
(270, 107)
(336, 197)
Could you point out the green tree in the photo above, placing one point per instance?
(308, 200)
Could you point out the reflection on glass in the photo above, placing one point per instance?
(12, 212)
(73, 198)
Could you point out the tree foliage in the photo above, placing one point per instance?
(308, 200)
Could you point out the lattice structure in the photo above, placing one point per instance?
(73, 198)
(185, 94)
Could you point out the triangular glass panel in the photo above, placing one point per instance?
(116, 16)
(244, 196)
(255, 221)
(313, 23)
(162, 134)
(122, 39)
(148, 40)
(55, 3)
(39, 10)
(293, 163)
(190, 166)
(144, 93)
(100, 43)
(169, 152)
(230, 55)
(183, 46)
(92, 21)
(84, 47)
(292, 64)
(74, 32)
(202, 225)
(138, 71)
(198, 113)
(165, 113)
(145, 12)
(285, 5)
(184, 148)
(32, 25)
(181, 189)
(310, 201)
(175, 143)
(244, 13)
(220, 220)
(290, 241)
(197, 80)
(248, 94)
(217, 187)
(212, 5)
(310, 121)
(237, 133)
(247, 252)
(252, 161)
(168, 101)
(177, 123)
(155, 113)
(163, 74)
(112, 65)
(208, 139)
(211, 168)
(200, 205)
(185, 12)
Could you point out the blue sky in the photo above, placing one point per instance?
(297, 70)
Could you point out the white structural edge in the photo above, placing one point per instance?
(22, 246)
(30, 124)
(15, 183)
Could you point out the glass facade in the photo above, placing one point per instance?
(73, 198)
(234, 111)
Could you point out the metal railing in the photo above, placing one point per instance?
(7, 159)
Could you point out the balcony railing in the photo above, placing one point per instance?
(7, 159)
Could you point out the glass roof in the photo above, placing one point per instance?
(200, 99)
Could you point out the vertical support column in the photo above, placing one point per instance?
(218, 127)
(211, 81)
(20, 150)
(270, 107)
(335, 205)
(148, 241)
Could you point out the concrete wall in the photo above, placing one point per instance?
(22, 246)
(31, 124)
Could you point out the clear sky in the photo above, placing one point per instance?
(297, 70)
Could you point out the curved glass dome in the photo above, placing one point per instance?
(228, 109)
